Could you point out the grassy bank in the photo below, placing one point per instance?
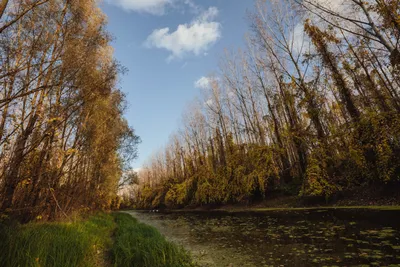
(137, 244)
(365, 197)
(64, 244)
(99, 240)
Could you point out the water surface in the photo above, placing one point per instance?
(331, 237)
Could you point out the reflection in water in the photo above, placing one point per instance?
(285, 238)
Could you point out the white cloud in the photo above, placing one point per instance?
(156, 7)
(231, 95)
(209, 103)
(301, 41)
(342, 7)
(209, 14)
(334, 5)
(193, 38)
(202, 83)
(195, 8)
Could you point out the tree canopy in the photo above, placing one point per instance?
(310, 107)
(63, 137)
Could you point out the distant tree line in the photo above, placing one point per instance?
(310, 107)
(63, 140)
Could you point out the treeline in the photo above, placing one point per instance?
(63, 139)
(310, 107)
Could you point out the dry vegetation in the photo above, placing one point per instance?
(310, 107)
(63, 139)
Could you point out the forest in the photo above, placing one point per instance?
(64, 142)
(310, 107)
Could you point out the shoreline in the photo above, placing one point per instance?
(373, 198)
(261, 210)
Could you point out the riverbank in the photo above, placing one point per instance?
(115, 239)
(357, 198)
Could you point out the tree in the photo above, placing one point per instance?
(64, 143)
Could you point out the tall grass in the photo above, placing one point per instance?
(137, 244)
(101, 240)
(79, 243)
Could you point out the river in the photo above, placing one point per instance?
(316, 237)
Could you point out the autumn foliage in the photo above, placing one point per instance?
(310, 107)
(62, 131)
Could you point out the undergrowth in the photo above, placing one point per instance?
(137, 244)
(100, 240)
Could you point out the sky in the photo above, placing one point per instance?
(169, 48)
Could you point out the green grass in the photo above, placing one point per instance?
(137, 244)
(100, 240)
(79, 243)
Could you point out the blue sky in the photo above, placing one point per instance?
(168, 46)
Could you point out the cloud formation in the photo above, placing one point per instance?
(156, 7)
(202, 83)
(193, 38)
